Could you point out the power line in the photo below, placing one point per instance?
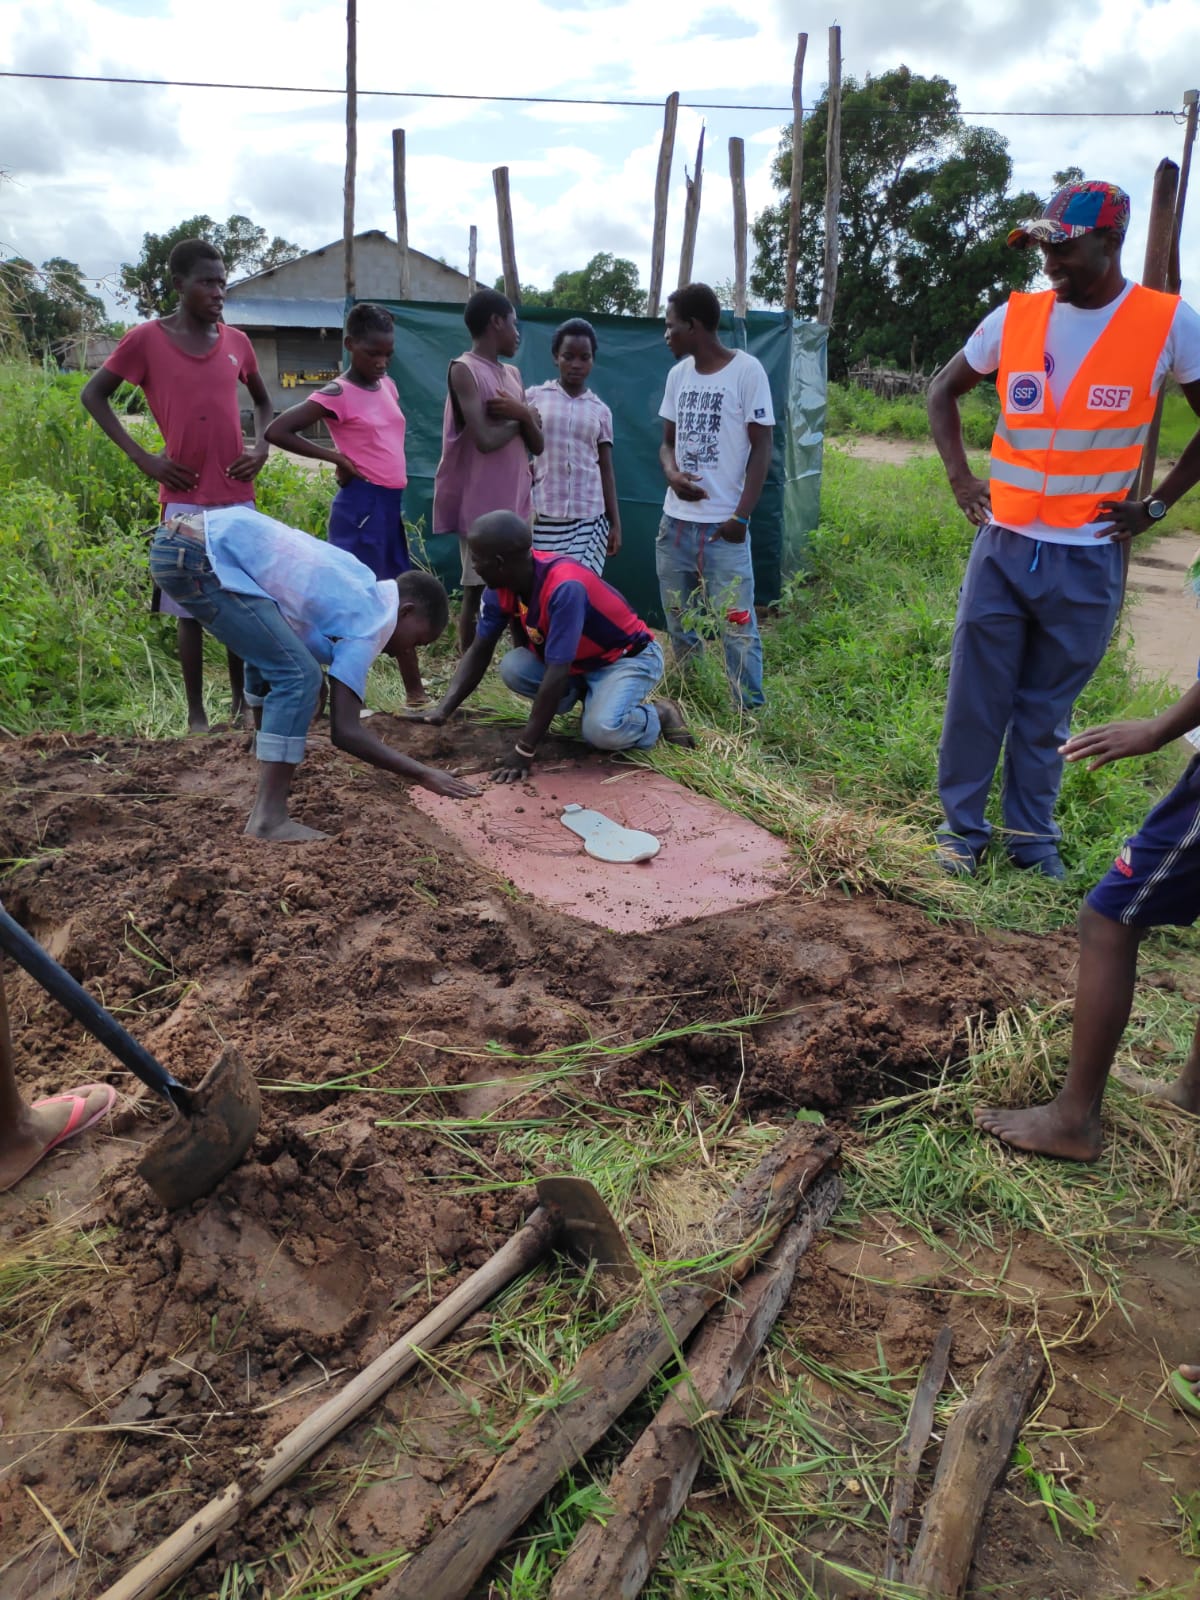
(505, 99)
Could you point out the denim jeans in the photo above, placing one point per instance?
(615, 713)
(282, 675)
(697, 572)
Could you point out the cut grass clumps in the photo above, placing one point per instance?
(923, 1159)
(42, 1274)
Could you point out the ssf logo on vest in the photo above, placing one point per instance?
(1109, 397)
(1025, 391)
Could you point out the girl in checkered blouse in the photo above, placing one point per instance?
(574, 486)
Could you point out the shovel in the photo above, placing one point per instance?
(571, 1216)
(216, 1122)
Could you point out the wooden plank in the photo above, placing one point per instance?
(662, 189)
(910, 1451)
(472, 251)
(691, 214)
(175, 1554)
(400, 201)
(793, 239)
(611, 1373)
(833, 180)
(508, 246)
(977, 1448)
(351, 144)
(651, 1486)
(737, 176)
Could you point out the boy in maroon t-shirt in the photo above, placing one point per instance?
(188, 365)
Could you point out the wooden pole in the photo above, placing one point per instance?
(793, 242)
(912, 1448)
(1191, 101)
(662, 189)
(611, 1373)
(1160, 237)
(155, 1571)
(976, 1450)
(351, 142)
(691, 214)
(737, 176)
(508, 247)
(833, 179)
(472, 250)
(650, 1487)
(400, 199)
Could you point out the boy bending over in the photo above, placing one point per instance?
(289, 604)
(582, 643)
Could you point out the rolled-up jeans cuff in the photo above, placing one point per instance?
(256, 700)
(280, 747)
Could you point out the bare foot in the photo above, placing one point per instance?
(197, 722)
(285, 832)
(46, 1124)
(674, 728)
(1181, 1093)
(1044, 1130)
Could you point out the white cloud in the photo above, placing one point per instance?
(96, 166)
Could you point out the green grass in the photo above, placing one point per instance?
(854, 411)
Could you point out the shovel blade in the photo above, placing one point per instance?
(191, 1157)
(589, 1229)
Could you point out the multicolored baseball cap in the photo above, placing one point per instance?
(1077, 208)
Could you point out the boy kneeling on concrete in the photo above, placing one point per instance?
(288, 605)
(582, 642)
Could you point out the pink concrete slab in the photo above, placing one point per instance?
(710, 861)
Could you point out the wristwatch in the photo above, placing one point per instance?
(1156, 510)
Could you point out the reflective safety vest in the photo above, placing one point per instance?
(1055, 464)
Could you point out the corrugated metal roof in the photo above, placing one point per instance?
(262, 311)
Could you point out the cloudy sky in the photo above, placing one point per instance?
(91, 167)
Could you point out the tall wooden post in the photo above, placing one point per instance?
(400, 200)
(833, 179)
(1160, 235)
(508, 247)
(351, 142)
(1191, 103)
(737, 175)
(472, 249)
(691, 214)
(793, 241)
(662, 188)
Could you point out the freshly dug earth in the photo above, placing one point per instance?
(193, 1341)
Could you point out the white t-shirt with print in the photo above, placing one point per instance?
(1071, 333)
(712, 412)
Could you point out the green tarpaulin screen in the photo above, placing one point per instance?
(629, 375)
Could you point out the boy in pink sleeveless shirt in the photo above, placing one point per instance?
(488, 433)
(188, 364)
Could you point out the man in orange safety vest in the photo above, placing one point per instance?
(1078, 370)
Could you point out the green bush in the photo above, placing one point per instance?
(77, 647)
(853, 410)
(48, 439)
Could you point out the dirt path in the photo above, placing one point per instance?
(1162, 610)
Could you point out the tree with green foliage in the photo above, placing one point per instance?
(608, 284)
(244, 245)
(48, 306)
(924, 217)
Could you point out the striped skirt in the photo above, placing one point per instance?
(585, 541)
